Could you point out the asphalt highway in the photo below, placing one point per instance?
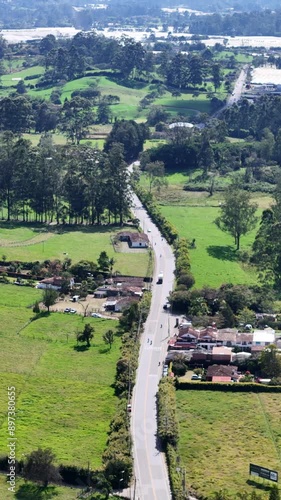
(151, 478)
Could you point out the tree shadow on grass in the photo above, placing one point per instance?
(30, 491)
(223, 253)
(81, 348)
(259, 486)
(104, 350)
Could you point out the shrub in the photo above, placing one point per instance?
(186, 279)
(167, 429)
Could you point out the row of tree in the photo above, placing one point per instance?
(255, 117)
(257, 23)
(68, 183)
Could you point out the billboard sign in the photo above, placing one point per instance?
(270, 475)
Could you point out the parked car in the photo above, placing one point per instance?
(129, 408)
(96, 315)
(73, 311)
(67, 310)
(196, 377)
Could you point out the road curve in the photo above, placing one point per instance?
(237, 91)
(151, 477)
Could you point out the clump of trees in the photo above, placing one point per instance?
(227, 306)
(266, 247)
(69, 184)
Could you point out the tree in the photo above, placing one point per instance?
(108, 337)
(157, 114)
(49, 297)
(270, 361)
(39, 467)
(266, 247)
(154, 170)
(237, 213)
(216, 75)
(246, 316)
(21, 88)
(104, 262)
(104, 113)
(129, 133)
(226, 316)
(86, 335)
(76, 116)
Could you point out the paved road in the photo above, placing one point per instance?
(150, 468)
(237, 91)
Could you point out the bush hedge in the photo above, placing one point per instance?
(167, 230)
(231, 387)
(167, 428)
(117, 457)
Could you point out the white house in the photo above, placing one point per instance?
(263, 337)
(54, 283)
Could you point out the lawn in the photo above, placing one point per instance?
(31, 243)
(186, 104)
(221, 433)
(214, 260)
(29, 491)
(64, 396)
(8, 80)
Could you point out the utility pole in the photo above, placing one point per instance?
(134, 492)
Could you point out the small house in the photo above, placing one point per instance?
(221, 371)
(134, 240)
(55, 283)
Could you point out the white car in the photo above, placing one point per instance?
(149, 230)
(73, 311)
(96, 315)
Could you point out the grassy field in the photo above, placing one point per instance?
(9, 79)
(221, 433)
(186, 104)
(64, 395)
(129, 95)
(30, 491)
(239, 57)
(26, 243)
(214, 260)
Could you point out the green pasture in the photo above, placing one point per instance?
(221, 433)
(8, 79)
(214, 260)
(153, 143)
(81, 243)
(186, 104)
(64, 396)
(61, 139)
(57, 138)
(240, 57)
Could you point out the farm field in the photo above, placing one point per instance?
(31, 243)
(221, 433)
(64, 394)
(214, 260)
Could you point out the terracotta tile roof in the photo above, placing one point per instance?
(221, 379)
